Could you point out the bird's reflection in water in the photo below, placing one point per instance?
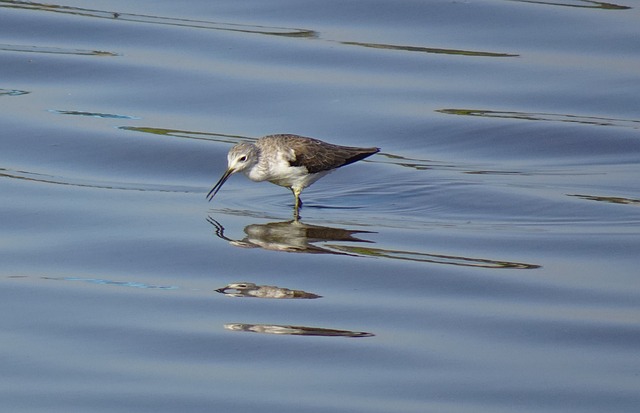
(294, 330)
(295, 236)
(290, 236)
(246, 289)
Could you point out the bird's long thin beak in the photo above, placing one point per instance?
(219, 184)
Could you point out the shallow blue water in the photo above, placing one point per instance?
(485, 261)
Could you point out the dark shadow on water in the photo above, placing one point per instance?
(294, 330)
(296, 236)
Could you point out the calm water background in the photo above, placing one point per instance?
(485, 261)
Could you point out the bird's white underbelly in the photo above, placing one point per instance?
(298, 180)
(283, 174)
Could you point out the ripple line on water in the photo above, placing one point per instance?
(185, 134)
(545, 117)
(54, 50)
(583, 4)
(92, 114)
(236, 27)
(142, 18)
(61, 180)
(433, 50)
(609, 199)
(13, 92)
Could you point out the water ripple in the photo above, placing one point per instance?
(185, 134)
(61, 180)
(54, 50)
(13, 92)
(141, 18)
(429, 49)
(609, 199)
(132, 284)
(546, 117)
(584, 4)
(91, 114)
(298, 237)
(233, 27)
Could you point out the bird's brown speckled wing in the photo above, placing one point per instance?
(319, 156)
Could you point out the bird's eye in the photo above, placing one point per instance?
(243, 158)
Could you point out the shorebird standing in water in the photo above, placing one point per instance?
(291, 161)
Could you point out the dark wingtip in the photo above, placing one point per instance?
(365, 153)
(371, 151)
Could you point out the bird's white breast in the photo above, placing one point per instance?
(277, 170)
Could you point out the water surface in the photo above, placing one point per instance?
(485, 261)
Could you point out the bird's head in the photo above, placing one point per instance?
(241, 158)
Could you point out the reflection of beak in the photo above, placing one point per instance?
(219, 184)
(222, 290)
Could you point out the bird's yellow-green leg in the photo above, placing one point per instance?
(298, 203)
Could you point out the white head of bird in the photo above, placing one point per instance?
(241, 158)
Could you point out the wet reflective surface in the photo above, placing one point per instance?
(486, 259)
(248, 289)
(290, 236)
(295, 330)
